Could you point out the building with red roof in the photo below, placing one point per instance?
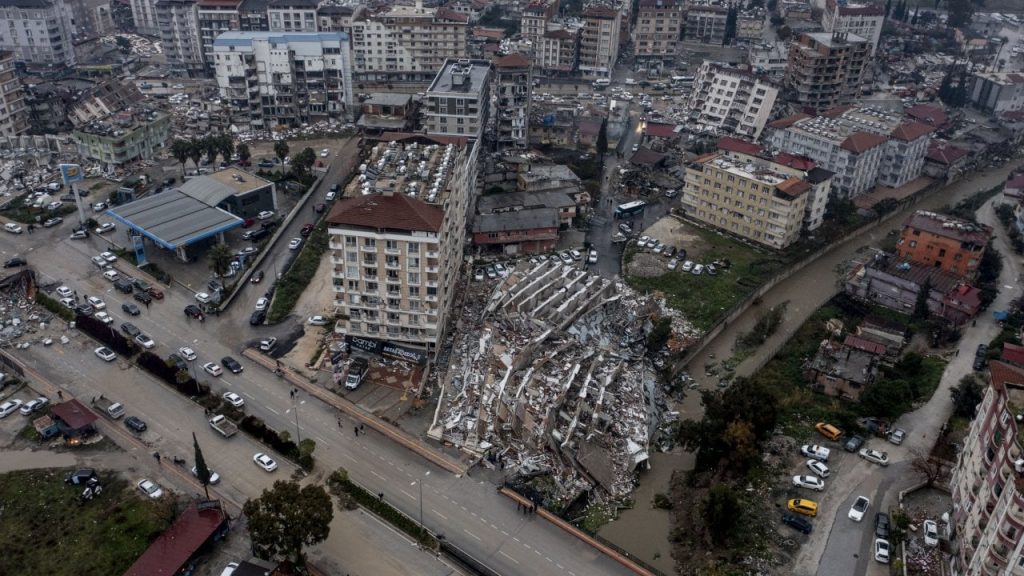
(74, 419)
(1013, 353)
(944, 160)
(196, 528)
(930, 114)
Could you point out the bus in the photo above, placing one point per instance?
(629, 208)
(682, 81)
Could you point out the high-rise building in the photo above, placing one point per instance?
(215, 18)
(179, 30)
(537, 15)
(336, 18)
(144, 17)
(731, 100)
(252, 16)
(458, 99)
(996, 92)
(705, 24)
(864, 20)
(37, 31)
(13, 115)
(826, 70)
(599, 41)
(396, 239)
(659, 26)
(513, 87)
(275, 79)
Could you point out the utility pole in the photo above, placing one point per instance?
(295, 408)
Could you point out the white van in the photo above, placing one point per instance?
(602, 83)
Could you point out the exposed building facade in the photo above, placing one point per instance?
(599, 41)
(104, 99)
(13, 114)
(292, 16)
(144, 17)
(659, 27)
(750, 24)
(273, 79)
(536, 16)
(408, 43)
(216, 17)
(705, 24)
(458, 99)
(558, 51)
(179, 30)
(826, 70)
(951, 244)
(997, 92)
(730, 100)
(513, 86)
(37, 31)
(864, 20)
(123, 137)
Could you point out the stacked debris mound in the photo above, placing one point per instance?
(549, 371)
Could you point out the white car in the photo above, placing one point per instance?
(566, 257)
(105, 353)
(880, 458)
(812, 482)
(931, 532)
(34, 405)
(229, 570)
(65, 292)
(214, 477)
(111, 275)
(9, 407)
(698, 270)
(109, 256)
(324, 153)
(96, 303)
(150, 488)
(687, 266)
(672, 264)
(592, 258)
(187, 353)
(105, 227)
(295, 243)
(212, 369)
(234, 399)
(642, 242)
(265, 462)
(261, 304)
(104, 317)
(12, 228)
(202, 297)
(882, 550)
(265, 215)
(145, 341)
(267, 344)
(317, 321)
(859, 508)
(816, 452)
(818, 468)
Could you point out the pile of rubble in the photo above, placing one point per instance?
(22, 321)
(548, 370)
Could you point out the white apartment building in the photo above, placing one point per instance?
(37, 31)
(458, 99)
(292, 16)
(406, 43)
(996, 92)
(988, 482)
(865, 147)
(599, 41)
(179, 31)
(144, 17)
(274, 79)
(730, 100)
(537, 15)
(396, 239)
(769, 59)
(864, 20)
(13, 115)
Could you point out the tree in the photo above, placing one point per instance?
(287, 518)
(730, 26)
(202, 472)
(211, 147)
(921, 311)
(887, 398)
(739, 436)
(181, 150)
(966, 396)
(602, 140)
(784, 33)
(302, 162)
(220, 259)
(281, 149)
(195, 151)
(243, 153)
(123, 44)
(721, 512)
(960, 13)
(747, 401)
(913, 20)
(226, 146)
(930, 467)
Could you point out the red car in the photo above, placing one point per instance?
(156, 294)
(248, 222)
(307, 230)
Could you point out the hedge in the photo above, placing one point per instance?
(256, 428)
(299, 275)
(107, 335)
(54, 306)
(339, 480)
(159, 367)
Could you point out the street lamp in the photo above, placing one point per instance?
(298, 432)
(427, 473)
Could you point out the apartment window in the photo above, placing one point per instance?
(392, 245)
(353, 298)
(414, 278)
(412, 247)
(414, 291)
(351, 257)
(369, 242)
(353, 285)
(352, 271)
(371, 286)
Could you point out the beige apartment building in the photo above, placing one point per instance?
(396, 239)
(659, 26)
(13, 116)
(826, 69)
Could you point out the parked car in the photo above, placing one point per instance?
(193, 311)
(882, 550)
(130, 309)
(896, 436)
(32, 406)
(234, 399)
(258, 317)
(96, 303)
(803, 506)
(880, 458)
(265, 215)
(214, 478)
(51, 222)
(135, 423)
(143, 297)
(187, 353)
(815, 451)
(257, 277)
(212, 369)
(145, 341)
(9, 407)
(150, 488)
(859, 508)
(882, 525)
(131, 330)
(106, 354)
(853, 443)
(105, 227)
(828, 431)
(931, 533)
(231, 364)
(818, 468)
(267, 344)
(15, 262)
(13, 228)
(294, 243)
(812, 482)
(317, 321)
(264, 461)
(797, 522)
(306, 230)
(262, 303)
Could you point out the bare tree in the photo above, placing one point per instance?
(932, 468)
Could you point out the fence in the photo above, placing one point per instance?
(10, 363)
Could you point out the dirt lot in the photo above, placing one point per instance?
(670, 231)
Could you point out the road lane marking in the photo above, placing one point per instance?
(507, 556)
(374, 472)
(527, 546)
(516, 539)
(407, 494)
(471, 534)
(274, 411)
(439, 514)
(321, 440)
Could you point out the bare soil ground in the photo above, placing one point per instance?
(671, 232)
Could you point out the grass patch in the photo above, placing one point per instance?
(47, 531)
(338, 482)
(597, 515)
(299, 275)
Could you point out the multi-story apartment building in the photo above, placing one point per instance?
(13, 114)
(144, 17)
(988, 481)
(293, 15)
(215, 18)
(951, 244)
(731, 100)
(335, 18)
(996, 92)
(825, 70)
(396, 239)
(558, 52)
(252, 16)
(705, 24)
(37, 31)
(103, 100)
(179, 30)
(406, 43)
(513, 87)
(865, 146)
(864, 20)
(599, 41)
(92, 18)
(659, 27)
(769, 60)
(535, 19)
(750, 24)
(123, 137)
(458, 99)
(275, 79)
(752, 197)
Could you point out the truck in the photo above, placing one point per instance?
(113, 410)
(221, 424)
(356, 373)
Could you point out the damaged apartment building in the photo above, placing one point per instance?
(549, 370)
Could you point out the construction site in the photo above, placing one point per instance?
(549, 376)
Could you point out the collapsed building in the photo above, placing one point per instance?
(549, 371)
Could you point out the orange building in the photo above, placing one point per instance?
(952, 244)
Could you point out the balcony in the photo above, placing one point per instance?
(432, 254)
(366, 248)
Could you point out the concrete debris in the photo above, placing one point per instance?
(548, 367)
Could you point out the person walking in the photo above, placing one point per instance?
(356, 428)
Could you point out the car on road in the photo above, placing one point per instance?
(155, 293)
(265, 215)
(979, 363)
(84, 310)
(123, 285)
(812, 482)
(96, 303)
(111, 275)
(592, 257)
(202, 297)
(105, 227)
(262, 303)
(625, 228)
(264, 461)
(193, 311)
(257, 277)
(51, 222)
(214, 477)
(248, 250)
(853, 443)
(818, 468)
(931, 533)
(294, 243)
(258, 317)
(828, 431)
(859, 508)
(68, 303)
(145, 341)
(797, 522)
(109, 256)
(266, 163)
(135, 423)
(28, 408)
(896, 436)
(65, 292)
(143, 297)
(317, 321)
(79, 235)
(880, 458)
(803, 506)
(212, 369)
(324, 153)
(882, 525)
(104, 317)
(642, 242)
(131, 330)
(9, 407)
(816, 452)
(882, 550)
(100, 262)
(150, 488)
(131, 309)
(267, 344)
(234, 399)
(179, 362)
(479, 274)
(105, 353)
(231, 364)
(187, 353)
(306, 230)
(13, 228)
(15, 262)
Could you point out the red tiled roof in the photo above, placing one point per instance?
(793, 187)
(660, 130)
(964, 297)
(1013, 353)
(1002, 373)
(387, 212)
(929, 114)
(789, 120)
(909, 131)
(836, 111)
(452, 15)
(512, 61)
(74, 414)
(589, 126)
(173, 549)
(858, 343)
(740, 146)
(944, 152)
(647, 157)
(862, 141)
(793, 161)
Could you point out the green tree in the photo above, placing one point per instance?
(921, 311)
(287, 518)
(303, 162)
(602, 140)
(211, 147)
(747, 401)
(123, 44)
(721, 512)
(226, 146)
(243, 153)
(220, 259)
(202, 472)
(281, 149)
(960, 13)
(888, 8)
(966, 396)
(181, 150)
(730, 26)
(195, 151)
(887, 398)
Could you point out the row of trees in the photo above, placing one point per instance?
(210, 146)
